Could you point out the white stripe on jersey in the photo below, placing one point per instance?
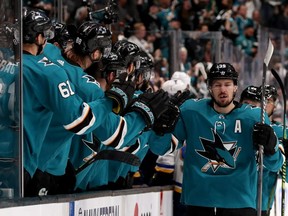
(116, 133)
(79, 120)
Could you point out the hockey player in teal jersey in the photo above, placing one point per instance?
(222, 138)
(122, 176)
(49, 92)
(54, 153)
(114, 172)
(252, 95)
(9, 124)
(128, 63)
(9, 121)
(115, 64)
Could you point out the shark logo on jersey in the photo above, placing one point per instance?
(46, 62)
(218, 153)
(91, 79)
(93, 146)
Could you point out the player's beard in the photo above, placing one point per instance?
(223, 104)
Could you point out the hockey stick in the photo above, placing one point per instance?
(278, 79)
(114, 155)
(267, 58)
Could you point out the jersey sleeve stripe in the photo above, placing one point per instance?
(116, 140)
(83, 123)
(174, 145)
(134, 148)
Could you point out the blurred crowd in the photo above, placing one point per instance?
(147, 23)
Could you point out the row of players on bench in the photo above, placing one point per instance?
(135, 121)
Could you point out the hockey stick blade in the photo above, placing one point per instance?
(269, 53)
(114, 155)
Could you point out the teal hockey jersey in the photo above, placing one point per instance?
(114, 130)
(219, 163)
(47, 92)
(9, 123)
(220, 168)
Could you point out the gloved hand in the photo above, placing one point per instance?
(167, 121)
(263, 134)
(180, 97)
(151, 105)
(121, 92)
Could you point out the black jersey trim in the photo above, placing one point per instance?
(86, 121)
(117, 139)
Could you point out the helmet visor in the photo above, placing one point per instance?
(146, 74)
(49, 33)
(99, 43)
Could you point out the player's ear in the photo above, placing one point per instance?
(209, 89)
(235, 88)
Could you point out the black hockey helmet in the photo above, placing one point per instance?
(91, 36)
(222, 71)
(119, 44)
(62, 35)
(251, 93)
(146, 66)
(129, 52)
(36, 22)
(270, 92)
(114, 63)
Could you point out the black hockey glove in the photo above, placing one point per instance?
(180, 97)
(167, 121)
(151, 105)
(121, 92)
(263, 134)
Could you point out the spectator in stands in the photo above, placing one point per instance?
(165, 15)
(138, 36)
(256, 17)
(280, 20)
(187, 15)
(151, 20)
(241, 19)
(247, 41)
(128, 13)
(225, 21)
(268, 10)
(185, 65)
